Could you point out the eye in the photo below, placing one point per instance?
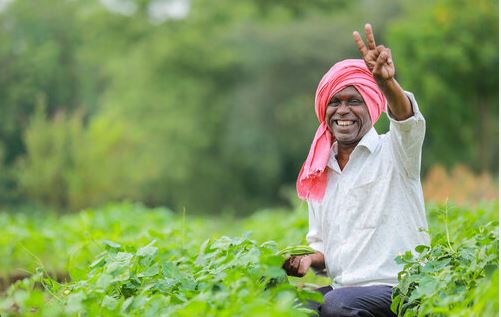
(355, 102)
(334, 103)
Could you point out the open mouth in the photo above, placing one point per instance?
(344, 123)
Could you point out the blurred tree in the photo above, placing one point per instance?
(37, 58)
(220, 86)
(205, 112)
(41, 173)
(70, 167)
(447, 52)
(38, 61)
(211, 110)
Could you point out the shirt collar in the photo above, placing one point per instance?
(370, 140)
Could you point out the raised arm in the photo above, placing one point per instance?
(378, 60)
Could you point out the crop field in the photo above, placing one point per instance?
(128, 260)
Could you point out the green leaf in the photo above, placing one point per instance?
(104, 281)
(100, 261)
(109, 302)
(111, 244)
(421, 248)
(150, 271)
(74, 302)
(147, 251)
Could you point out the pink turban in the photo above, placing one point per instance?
(312, 179)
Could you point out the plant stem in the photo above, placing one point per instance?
(447, 226)
(183, 228)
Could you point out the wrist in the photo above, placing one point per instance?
(317, 260)
(385, 84)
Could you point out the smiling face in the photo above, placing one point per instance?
(348, 117)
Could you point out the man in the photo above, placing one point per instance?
(363, 190)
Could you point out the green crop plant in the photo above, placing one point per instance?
(128, 260)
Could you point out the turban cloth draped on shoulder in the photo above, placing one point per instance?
(312, 179)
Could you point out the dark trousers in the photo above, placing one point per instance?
(367, 301)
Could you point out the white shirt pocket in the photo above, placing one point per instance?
(366, 201)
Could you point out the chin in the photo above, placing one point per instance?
(343, 137)
(346, 139)
(347, 142)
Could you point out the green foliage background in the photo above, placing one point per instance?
(213, 111)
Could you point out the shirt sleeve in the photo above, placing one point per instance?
(407, 138)
(314, 235)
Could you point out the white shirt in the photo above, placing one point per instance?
(373, 209)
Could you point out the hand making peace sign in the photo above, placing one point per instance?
(377, 58)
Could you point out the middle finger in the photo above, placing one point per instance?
(371, 43)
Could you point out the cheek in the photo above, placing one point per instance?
(364, 115)
(367, 122)
(328, 113)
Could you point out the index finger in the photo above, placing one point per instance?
(360, 43)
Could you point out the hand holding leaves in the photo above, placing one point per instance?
(297, 265)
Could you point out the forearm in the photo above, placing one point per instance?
(398, 103)
(317, 261)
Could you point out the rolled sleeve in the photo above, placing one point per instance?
(314, 235)
(407, 137)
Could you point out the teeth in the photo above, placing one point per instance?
(344, 123)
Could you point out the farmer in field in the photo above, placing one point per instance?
(363, 190)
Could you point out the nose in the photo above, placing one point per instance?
(343, 108)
